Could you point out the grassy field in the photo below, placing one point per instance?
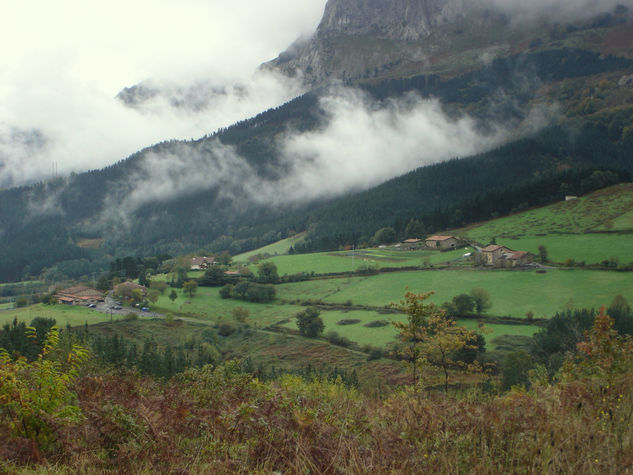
(63, 314)
(349, 261)
(590, 248)
(381, 336)
(208, 305)
(274, 249)
(512, 293)
(568, 228)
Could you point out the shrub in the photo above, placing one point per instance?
(375, 354)
(130, 317)
(226, 329)
(376, 324)
(349, 321)
(336, 339)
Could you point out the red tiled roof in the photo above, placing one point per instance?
(517, 255)
(440, 238)
(411, 241)
(493, 248)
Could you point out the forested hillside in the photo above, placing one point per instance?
(130, 208)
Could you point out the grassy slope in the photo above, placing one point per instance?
(512, 293)
(349, 261)
(64, 314)
(568, 229)
(274, 249)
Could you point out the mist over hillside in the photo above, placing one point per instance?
(291, 168)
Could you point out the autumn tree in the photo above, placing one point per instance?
(429, 336)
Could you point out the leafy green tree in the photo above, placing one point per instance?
(37, 397)
(515, 369)
(173, 295)
(481, 299)
(226, 292)
(414, 229)
(464, 304)
(385, 235)
(190, 287)
(429, 337)
(267, 273)
(309, 322)
(213, 277)
(152, 295)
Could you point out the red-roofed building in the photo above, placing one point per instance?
(79, 295)
(442, 242)
(502, 256)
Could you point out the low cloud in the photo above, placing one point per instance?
(64, 62)
(360, 145)
(562, 10)
(364, 144)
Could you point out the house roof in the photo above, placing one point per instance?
(197, 260)
(493, 248)
(411, 241)
(517, 255)
(440, 238)
(79, 292)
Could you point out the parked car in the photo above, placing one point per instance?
(145, 309)
(92, 305)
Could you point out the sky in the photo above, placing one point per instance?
(64, 62)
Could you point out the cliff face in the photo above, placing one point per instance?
(372, 38)
(401, 20)
(365, 40)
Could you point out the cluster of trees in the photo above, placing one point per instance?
(559, 338)
(152, 359)
(250, 291)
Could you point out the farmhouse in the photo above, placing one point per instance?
(502, 256)
(493, 254)
(518, 258)
(202, 263)
(442, 242)
(79, 295)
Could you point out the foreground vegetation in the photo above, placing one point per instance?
(221, 419)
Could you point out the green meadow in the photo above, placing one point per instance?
(63, 314)
(513, 293)
(575, 229)
(353, 260)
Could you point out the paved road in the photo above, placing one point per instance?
(110, 302)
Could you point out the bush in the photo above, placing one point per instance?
(349, 321)
(375, 354)
(336, 339)
(130, 317)
(226, 292)
(376, 324)
(226, 329)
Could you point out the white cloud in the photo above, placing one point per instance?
(63, 63)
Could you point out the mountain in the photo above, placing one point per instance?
(368, 40)
(536, 109)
